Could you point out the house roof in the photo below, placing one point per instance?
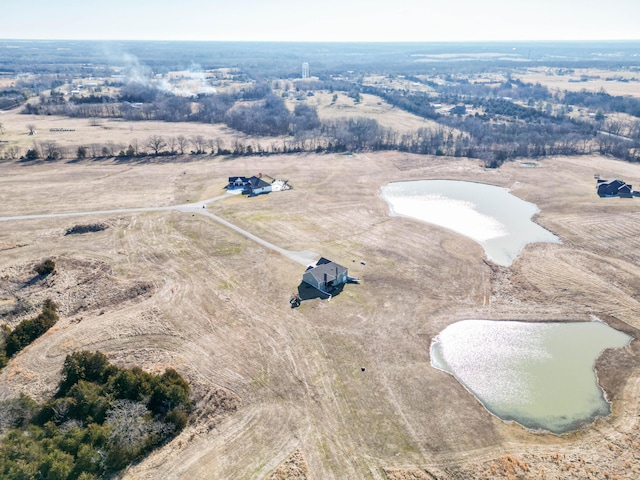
(256, 182)
(326, 267)
(233, 179)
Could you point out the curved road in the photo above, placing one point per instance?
(304, 257)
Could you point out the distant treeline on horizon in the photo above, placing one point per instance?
(282, 58)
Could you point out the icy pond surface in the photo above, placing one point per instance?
(540, 375)
(490, 215)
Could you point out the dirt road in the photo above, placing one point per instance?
(304, 257)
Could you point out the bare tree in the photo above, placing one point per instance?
(95, 150)
(108, 149)
(32, 128)
(50, 150)
(156, 143)
(129, 424)
(211, 143)
(198, 143)
(219, 145)
(239, 148)
(135, 145)
(182, 143)
(61, 410)
(13, 152)
(172, 142)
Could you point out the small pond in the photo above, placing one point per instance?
(540, 375)
(490, 215)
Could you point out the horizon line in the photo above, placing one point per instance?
(609, 40)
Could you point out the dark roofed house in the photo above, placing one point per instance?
(256, 186)
(325, 275)
(236, 182)
(625, 191)
(613, 188)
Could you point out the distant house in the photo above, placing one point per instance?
(613, 188)
(325, 275)
(256, 185)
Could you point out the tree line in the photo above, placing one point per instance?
(504, 130)
(470, 136)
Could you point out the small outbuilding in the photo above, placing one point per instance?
(325, 275)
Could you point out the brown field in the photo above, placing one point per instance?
(596, 81)
(279, 392)
(370, 106)
(116, 132)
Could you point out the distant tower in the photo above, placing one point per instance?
(305, 70)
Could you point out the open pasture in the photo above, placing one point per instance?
(279, 389)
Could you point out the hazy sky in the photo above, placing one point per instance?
(323, 20)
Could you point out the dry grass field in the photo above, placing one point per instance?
(623, 83)
(280, 392)
(370, 106)
(104, 132)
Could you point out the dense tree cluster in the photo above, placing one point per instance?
(418, 103)
(506, 108)
(603, 101)
(27, 331)
(267, 117)
(11, 99)
(212, 109)
(101, 419)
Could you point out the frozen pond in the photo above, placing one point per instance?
(490, 215)
(539, 374)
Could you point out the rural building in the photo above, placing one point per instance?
(325, 275)
(237, 182)
(613, 188)
(256, 186)
(279, 185)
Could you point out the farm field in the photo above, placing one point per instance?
(370, 106)
(281, 392)
(616, 83)
(71, 133)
